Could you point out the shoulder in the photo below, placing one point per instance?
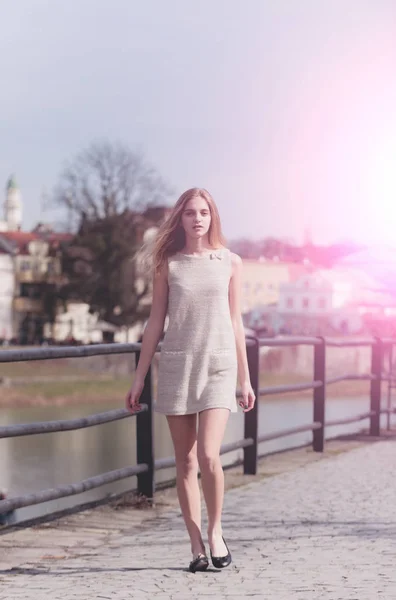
(235, 258)
(161, 274)
(236, 264)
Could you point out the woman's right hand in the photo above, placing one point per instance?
(132, 398)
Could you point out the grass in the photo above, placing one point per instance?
(48, 368)
(91, 389)
(58, 393)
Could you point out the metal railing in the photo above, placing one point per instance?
(146, 463)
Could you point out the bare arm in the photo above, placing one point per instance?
(239, 331)
(155, 324)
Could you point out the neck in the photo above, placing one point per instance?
(196, 246)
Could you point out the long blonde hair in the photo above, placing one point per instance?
(171, 237)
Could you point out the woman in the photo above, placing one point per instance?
(197, 283)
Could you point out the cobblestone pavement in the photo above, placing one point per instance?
(326, 530)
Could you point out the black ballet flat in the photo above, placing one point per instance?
(219, 562)
(200, 563)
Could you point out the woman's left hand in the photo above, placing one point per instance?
(248, 397)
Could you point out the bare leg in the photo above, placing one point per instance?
(183, 429)
(212, 424)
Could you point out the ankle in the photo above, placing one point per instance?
(215, 532)
(197, 548)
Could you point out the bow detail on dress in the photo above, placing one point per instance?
(214, 255)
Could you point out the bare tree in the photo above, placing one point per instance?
(113, 197)
(106, 179)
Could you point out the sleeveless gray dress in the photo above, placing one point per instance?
(198, 362)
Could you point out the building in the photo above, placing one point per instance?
(326, 290)
(7, 286)
(12, 220)
(261, 283)
(311, 294)
(262, 280)
(339, 300)
(30, 269)
(12, 207)
(37, 271)
(75, 324)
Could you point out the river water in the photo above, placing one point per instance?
(33, 463)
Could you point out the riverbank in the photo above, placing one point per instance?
(106, 380)
(61, 391)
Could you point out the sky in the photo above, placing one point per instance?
(284, 110)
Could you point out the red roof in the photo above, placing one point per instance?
(21, 239)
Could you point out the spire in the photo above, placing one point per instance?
(12, 184)
(13, 205)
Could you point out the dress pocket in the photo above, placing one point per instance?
(222, 362)
(173, 374)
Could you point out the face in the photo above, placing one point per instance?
(196, 218)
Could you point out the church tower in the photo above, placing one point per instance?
(13, 206)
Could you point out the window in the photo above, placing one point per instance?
(305, 303)
(51, 267)
(25, 265)
(289, 303)
(30, 290)
(322, 303)
(36, 267)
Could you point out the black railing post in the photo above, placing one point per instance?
(375, 387)
(251, 417)
(319, 395)
(144, 439)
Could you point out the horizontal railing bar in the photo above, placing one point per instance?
(353, 419)
(296, 387)
(236, 445)
(66, 425)
(334, 343)
(105, 349)
(164, 463)
(285, 432)
(70, 489)
(66, 352)
(387, 411)
(54, 352)
(170, 461)
(350, 377)
(388, 341)
(386, 373)
(99, 480)
(290, 341)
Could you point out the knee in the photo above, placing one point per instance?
(208, 462)
(187, 465)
